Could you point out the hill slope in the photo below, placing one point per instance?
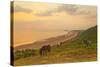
(89, 34)
(72, 51)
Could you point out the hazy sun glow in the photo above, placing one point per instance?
(30, 17)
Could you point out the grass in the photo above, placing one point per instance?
(63, 54)
(72, 51)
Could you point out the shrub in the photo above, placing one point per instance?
(23, 53)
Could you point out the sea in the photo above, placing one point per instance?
(25, 37)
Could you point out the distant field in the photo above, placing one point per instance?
(72, 51)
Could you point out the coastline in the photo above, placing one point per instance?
(51, 41)
(36, 36)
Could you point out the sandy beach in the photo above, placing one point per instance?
(51, 41)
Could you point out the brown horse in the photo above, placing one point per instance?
(45, 49)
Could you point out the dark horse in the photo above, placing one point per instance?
(45, 49)
(87, 42)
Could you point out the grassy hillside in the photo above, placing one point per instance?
(72, 51)
(90, 34)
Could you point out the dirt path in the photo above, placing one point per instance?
(52, 41)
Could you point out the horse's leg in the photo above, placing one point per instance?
(40, 53)
(43, 52)
(46, 52)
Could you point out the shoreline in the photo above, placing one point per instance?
(51, 41)
(20, 44)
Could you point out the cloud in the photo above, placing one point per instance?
(21, 9)
(78, 9)
(71, 9)
(47, 13)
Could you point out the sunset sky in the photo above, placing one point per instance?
(33, 16)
